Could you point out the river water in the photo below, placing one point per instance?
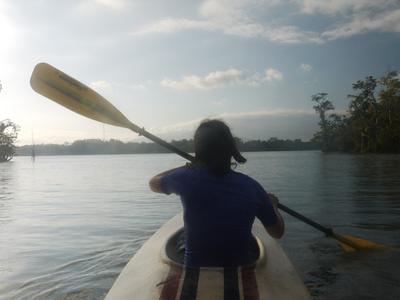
(69, 224)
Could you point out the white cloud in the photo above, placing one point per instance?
(284, 34)
(8, 31)
(174, 25)
(100, 85)
(306, 68)
(330, 7)
(213, 80)
(191, 125)
(210, 81)
(89, 7)
(179, 127)
(273, 74)
(279, 112)
(355, 17)
(232, 18)
(112, 4)
(248, 19)
(224, 9)
(386, 22)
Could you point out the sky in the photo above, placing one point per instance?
(167, 65)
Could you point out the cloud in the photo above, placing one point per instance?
(210, 81)
(100, 85)
(191, 125)
(306, 67)
(279, 112)
(217, 79)
(384, 22)
(8, 31)
(332, 7)
(273, 74)
(103, 86)
(174, 25)
(355, 17)
(248, 19)
(89, 7)
(284, 34)
(179, 127)
(232, 18)
(112, 4)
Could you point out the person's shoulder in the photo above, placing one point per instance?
(192, 171)
(250, 181)
(250, 186)
(179, 173)
(243, 177)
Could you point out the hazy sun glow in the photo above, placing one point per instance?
(7, 32)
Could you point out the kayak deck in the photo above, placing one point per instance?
(151, 274)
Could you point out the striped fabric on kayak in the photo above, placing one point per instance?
(183, 283)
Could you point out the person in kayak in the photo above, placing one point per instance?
(219, 204)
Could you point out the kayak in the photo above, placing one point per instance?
(156, 272)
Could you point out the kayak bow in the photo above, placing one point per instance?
(153, 273)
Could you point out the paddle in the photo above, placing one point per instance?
(74, 95)
(347, 242)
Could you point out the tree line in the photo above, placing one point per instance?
(371, 125)
(8, 136)
(372, 121)
(113, 146)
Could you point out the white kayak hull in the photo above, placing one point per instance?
(151, 275)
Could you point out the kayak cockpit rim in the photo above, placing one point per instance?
(169, 255)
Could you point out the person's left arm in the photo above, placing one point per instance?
(155, 181)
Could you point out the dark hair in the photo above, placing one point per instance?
(214, 146)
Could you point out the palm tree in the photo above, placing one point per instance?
(321, 107)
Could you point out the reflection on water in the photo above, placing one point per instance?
(68, 225)
(7, 186)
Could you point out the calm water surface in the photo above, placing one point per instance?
(69, 224)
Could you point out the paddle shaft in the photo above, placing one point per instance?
(157, 140)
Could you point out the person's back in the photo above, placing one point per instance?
(219, 205)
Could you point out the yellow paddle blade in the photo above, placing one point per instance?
(74, 95)
(346, 248)
(350, 243)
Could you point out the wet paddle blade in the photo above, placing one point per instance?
(74, 95)
(350, 243)
(345, 247)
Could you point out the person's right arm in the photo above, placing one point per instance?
(155, 181)
(277, 229)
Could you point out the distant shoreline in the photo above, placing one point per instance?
(99, 147)
(166, 152)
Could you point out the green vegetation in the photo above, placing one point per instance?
(96, 146)
(8, 136)
(372, 124)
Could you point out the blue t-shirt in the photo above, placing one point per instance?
(218, 214)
